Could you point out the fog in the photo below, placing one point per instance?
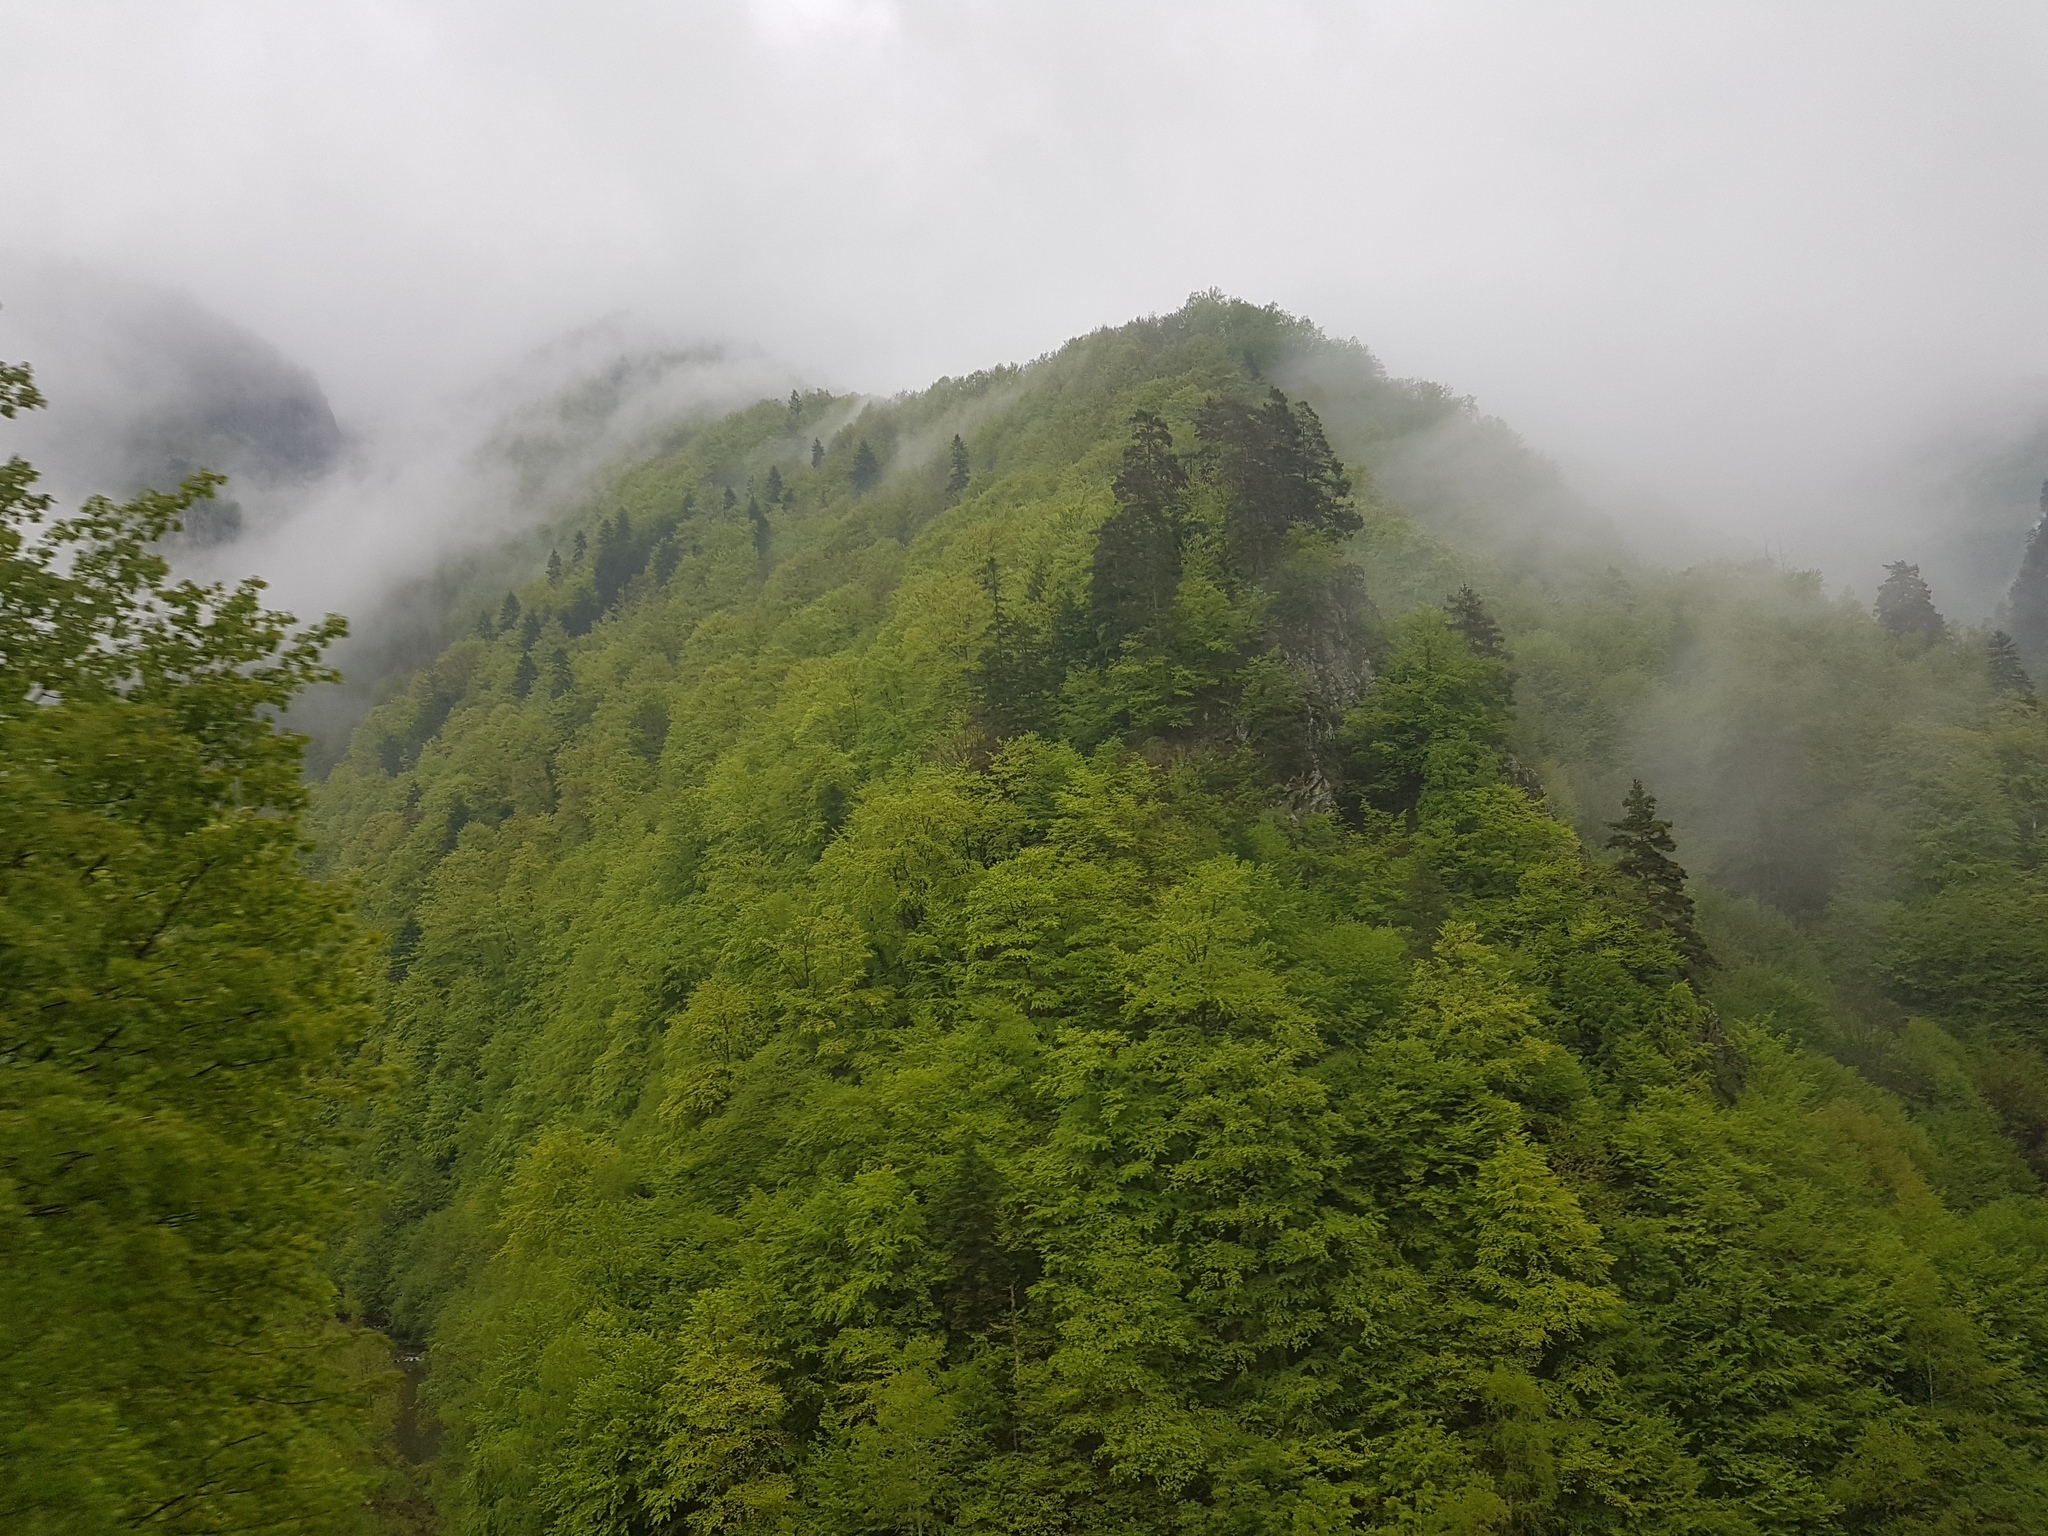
(1759, 277)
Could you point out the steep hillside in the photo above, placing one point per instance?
(1017, 958)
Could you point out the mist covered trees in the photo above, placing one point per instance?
(1905, 606)
(2027, 604)
(887, 1042)
(176, 996)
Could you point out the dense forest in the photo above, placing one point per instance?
(1168, 939)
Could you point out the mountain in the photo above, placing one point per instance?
(1041, 955)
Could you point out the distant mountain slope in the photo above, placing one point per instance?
(1034, 988)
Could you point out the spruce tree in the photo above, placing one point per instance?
(1138, 552)
(867, 469)
(2027, 605)
(796, 411)
(732, 499)
(1644, 841)
(1277, 472)
(1015, 673)
(579, 548)
(956, 481)
(2002, 660)
(1469, 616)
(554, 565)
(508, 613)
(774, 486)
(1905, 608)
(817, 453)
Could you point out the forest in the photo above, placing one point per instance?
(1170, 939)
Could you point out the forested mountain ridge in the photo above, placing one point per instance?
(1010, 959)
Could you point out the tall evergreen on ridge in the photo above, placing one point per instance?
(2002, 660)
(759, 520)
(2027, 606)
(775, 489)
(796, 411)
(1905, 608)
(1277, 472)
(961, 472)
(817, 453)
(1138, 552)
(1644, 841)
(1471, 619)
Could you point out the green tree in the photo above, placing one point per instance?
(1644, 841)
(1905, 608)
(817, 453)
(758, 521)
(175, 998)
(960, 472)
(1137, 562)
(867, 469)
(796, 411)
(2002, 662)
(508, 613)
(1276, 472)
(1472, 620)
(554, 566)
(774, 485)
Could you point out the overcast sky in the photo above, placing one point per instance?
(1729, 253)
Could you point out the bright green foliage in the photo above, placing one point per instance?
(2002, 664)
(825, 1106)
(175, 995)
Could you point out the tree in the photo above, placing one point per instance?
(1277, 472)
(867, 469)
(1137, 560)
(2027, 604)
(775, 492)
(732, 500)
(1015, 674)
(508, 613)
(176, 994)
(2002, 661)
(796, 411)
(817, 453)
(554, 566)
(759, 520)
(578, 548)
(1470, 618)
(1644, 841)
(957, 477)
(1905, 608)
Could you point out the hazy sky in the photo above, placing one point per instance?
(1735, 253)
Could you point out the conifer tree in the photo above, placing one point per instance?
(732, 499)
(554, 565)
(1015, 673)
(1905, 608)
(2002, 660)
(817, 453)
(1471, 619)
(1138, 552)
(956, 480)
(1277, 472)
(774, 486)
(579, 549)
(796, 411)
(2027, 605)
(508, 613)
(867, 469)
(1644, 841)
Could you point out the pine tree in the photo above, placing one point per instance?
(1905, 608)
(867, 469)
(796, 411)
(1645, 843)
(2002, 660)
(1138, 552)
(1469, 616)
(508, 613)
(579, 549)
(774, 486)
(732, 499)
(1277, 472)
(956, 481)
(2028, 602)
(554, 565)
(1015, 673)
(523, 675)
(817, 453)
